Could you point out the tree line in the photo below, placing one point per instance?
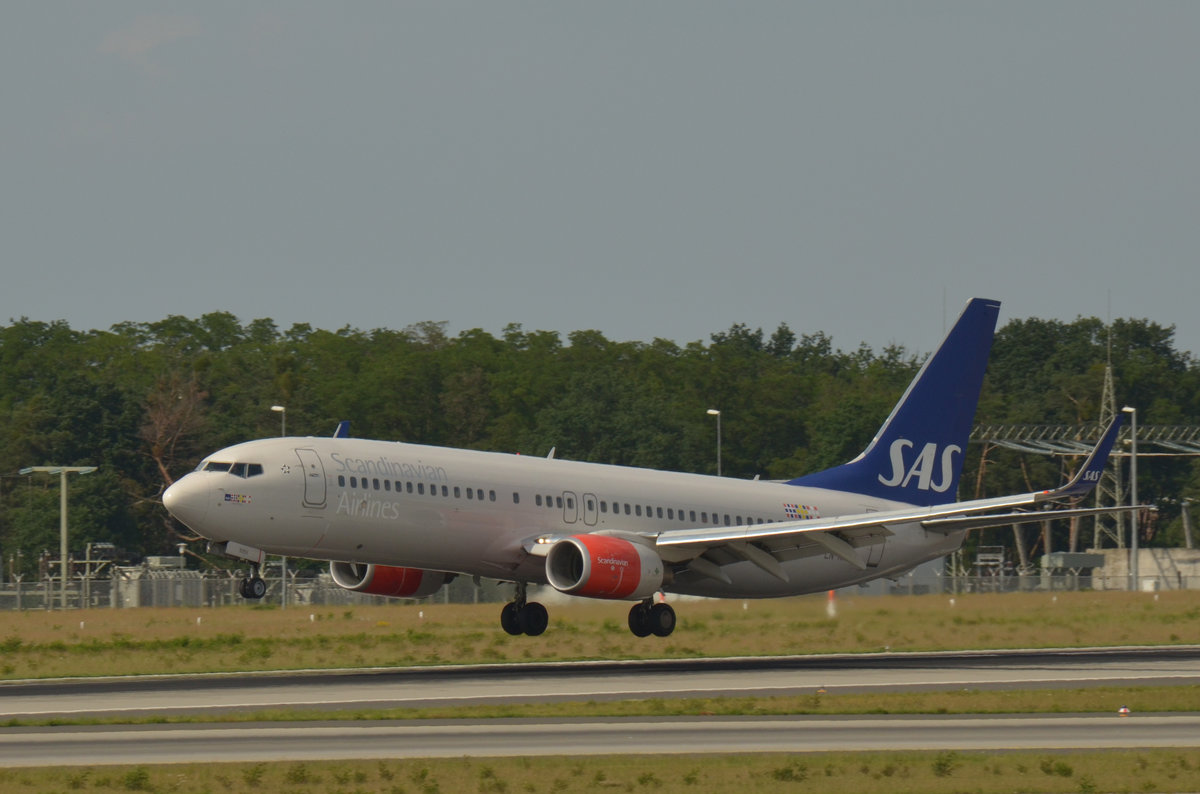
(145, 401)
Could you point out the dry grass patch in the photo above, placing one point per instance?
(145, 641)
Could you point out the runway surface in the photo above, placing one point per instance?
(308, 741)
(413, 687)
(140, 697)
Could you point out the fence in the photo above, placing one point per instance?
(131, 588)
(138, 587)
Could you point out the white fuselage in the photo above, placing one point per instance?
(474, 513)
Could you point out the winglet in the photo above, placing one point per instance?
(343, 429)
(1089, 474)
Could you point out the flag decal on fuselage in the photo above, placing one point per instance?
(797, 512)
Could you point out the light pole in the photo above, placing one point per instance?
(716, 413)
(282, 411)
(62, 471)
(1133, 494)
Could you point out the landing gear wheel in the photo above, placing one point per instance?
(253, 588)
(639, 620)
(510, 619)
(534, 618)
(662, 620)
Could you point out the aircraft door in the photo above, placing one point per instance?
(314, 477)
(570, 507)
(590, 511)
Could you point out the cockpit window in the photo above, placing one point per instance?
(236, 469)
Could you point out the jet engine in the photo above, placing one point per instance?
(602, 566)
(386, 580)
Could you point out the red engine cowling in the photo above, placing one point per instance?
(601, 566)
(386, 580)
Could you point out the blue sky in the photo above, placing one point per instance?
(648, 169)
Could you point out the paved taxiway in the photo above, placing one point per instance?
(66, 745)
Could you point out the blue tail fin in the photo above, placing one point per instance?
(917, 456)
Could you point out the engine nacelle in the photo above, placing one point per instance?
(386, 580)
(602, 566)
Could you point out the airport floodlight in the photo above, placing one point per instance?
(1133, 494)
(62, 471)
(282, 411)
(716, 413)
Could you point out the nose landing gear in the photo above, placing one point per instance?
(253, 587)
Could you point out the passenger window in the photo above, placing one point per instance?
(445, 491)
(727, 522)
(470, 493)
(341, 480)
(421, 488)
(516, 497)
(670, 512)
(739, 521)
(408, 487)
(570, 503)
(638, 508)
(704, 518)
(353, 482)
(627, 508)
(537, 499)
(558, 502)
(457, 492)
(659, 511)
(375, 483)
(479, 495)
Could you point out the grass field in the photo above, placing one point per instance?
(816, 773)
(154, 641)
(149, 641)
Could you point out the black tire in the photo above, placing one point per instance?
(639, 621)
(257, 588)
(534, 618)
(510, 619)
(662, 620)
(244, 588)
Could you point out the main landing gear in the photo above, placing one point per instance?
(253, 587)
(649, 618)
(529, 617)
(524, 617)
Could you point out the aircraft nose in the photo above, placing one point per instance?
(185, 502)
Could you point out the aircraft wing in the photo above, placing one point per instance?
(767, 544)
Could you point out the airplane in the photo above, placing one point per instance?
(402, 520)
